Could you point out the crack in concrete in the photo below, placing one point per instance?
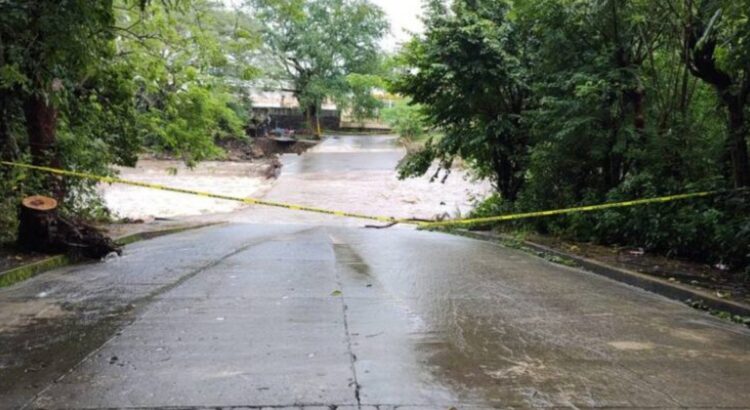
(344, 308)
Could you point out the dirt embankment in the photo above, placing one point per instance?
(262, 147)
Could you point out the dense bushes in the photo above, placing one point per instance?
(713, 230)
(566, 103)
(405, 119)
(85, 85)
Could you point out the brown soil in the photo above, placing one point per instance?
(10, 257)
(262, 148)
(722, 283)
(250, 149)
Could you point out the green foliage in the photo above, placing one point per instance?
(185, 101)
(9, 185)
(708, 230)
(467, 73)
(321, 46)
(406, 119)
(716, 36)
(119, 77)
(419, 162)
(189, 124)
(592, 101)
(361, 99)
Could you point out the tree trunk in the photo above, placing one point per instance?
(8, 145)
(612, 162)
(636, 98)
(699, 54)
(639, 112)
(737, 144)
(42, 229)
(507, 184)
(41, 126)
(311, 115)
(38, 227)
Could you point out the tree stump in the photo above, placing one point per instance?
(38, 225)
(42, 229)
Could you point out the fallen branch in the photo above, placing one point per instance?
(382, 226)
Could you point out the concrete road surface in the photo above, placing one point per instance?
(276, 310)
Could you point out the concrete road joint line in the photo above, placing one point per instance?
(352, 356)
(143, 301)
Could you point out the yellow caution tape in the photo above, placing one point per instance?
(250, 201)
(586, 208)
(436, 224)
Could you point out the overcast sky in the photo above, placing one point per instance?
(402, 14)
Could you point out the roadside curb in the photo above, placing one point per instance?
(652, 284)
(23, 272)
(146, 235)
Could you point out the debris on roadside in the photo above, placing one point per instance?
(636, 252)
(388, 225)
(42, 229)
(717, 278)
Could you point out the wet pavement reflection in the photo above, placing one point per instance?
(288, 311)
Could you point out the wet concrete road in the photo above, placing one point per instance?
(288, 314)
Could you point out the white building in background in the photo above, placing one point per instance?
(263, 98)
(277, 103)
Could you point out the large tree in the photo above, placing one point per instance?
(81, 75)
(567, 102)
(190, 61)
(469, 72)
(84, 85)
(589, 73)
(48, 49)
(717, 50)
(319, 44)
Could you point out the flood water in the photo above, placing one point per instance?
(348, 173)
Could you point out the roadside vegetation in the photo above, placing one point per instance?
(324, 50)
(557, 103)
(564, 103)
(86, 85)
(409, 123)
